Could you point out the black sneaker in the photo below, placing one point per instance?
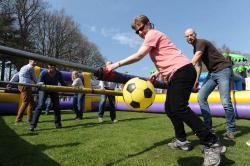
(58, 126)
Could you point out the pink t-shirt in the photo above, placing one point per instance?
(166, 57)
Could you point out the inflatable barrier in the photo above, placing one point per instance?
(10, 102)
(240, 100)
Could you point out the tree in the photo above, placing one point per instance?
(28, 25)
(58, 36)
(8, 32)
(28, 14)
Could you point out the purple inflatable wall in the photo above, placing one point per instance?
(241, 109)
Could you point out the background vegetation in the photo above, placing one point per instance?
(32, 26)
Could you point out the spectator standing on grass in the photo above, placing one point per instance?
(78, 99)
(102, 105)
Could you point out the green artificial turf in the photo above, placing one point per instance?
(137, 139)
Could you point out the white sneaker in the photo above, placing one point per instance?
(100, 120)
(18, 123)
(212, 155)
(176, 144)
(248, 142)
(115, 121)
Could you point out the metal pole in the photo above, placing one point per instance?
(53, 88)
(79, 90)
(100, 73)
(3, 69)
(10, 70)
(45, 59)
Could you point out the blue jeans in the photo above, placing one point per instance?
(78, 104)
(102, 106)
(42, 96)
(48, 106)
(222, 79)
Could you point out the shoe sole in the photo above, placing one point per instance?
(217, 164)
(227, 138)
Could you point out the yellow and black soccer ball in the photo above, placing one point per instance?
(138, 94)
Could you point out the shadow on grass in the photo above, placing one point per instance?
(241, 131)
(195, 160)
(87, 125)
(189, 161)
(185, 161)
(15, 151)
(157, 144)
(131, 119)
(66, 119)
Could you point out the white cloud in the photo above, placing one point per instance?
(108, 32)
(122, 38)
(92, 29)
(126, 39)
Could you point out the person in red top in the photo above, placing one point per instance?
(175, 68)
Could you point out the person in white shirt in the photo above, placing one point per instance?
(26, 75)
(78, 100)
(108, 86)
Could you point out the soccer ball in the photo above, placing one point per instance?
(138, 94)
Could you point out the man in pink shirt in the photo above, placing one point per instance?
(181, 75)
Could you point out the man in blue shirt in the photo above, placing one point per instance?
(48, 77)
(26, 75)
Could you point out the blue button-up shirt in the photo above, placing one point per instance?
(15, 78)
(27, 74)
(51, 80)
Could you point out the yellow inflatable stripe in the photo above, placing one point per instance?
(9, 97)
(236, 96)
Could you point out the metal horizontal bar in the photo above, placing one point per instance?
(100, 73)
(45, 59)
(53, 88)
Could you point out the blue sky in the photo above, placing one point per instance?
(107, 24)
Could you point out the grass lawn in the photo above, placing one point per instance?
(138, 139)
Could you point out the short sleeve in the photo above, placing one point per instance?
(201, 46)
(151, 38)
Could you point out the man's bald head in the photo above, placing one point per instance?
(190, 36)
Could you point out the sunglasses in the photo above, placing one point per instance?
(140, 29)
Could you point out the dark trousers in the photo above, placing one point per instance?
(42, 96)
(177, 109)
(102, 106)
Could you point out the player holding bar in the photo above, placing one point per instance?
(181, 75)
